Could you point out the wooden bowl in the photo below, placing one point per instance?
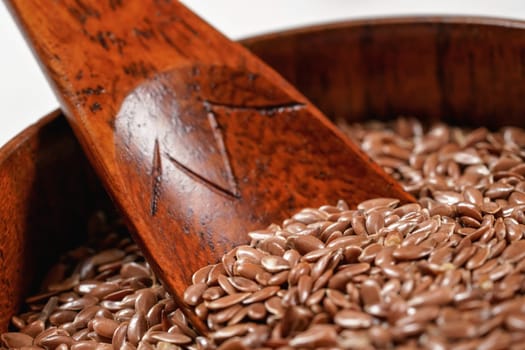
(468, 71)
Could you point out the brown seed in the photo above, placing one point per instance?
(469, 210)
(351, 254)
(79, 304)
(119, 335)
(378, 203)
(438, 296)
(322, 281)
(278, 278)
(215, 272)
(411, 252)
(246, 270)
(336, 228)
(309, 215)
(86, 345)
(292, 256)
(374, 221)
(228, 260)
(34, 328)
(257, 311)
(304, 287)
(394, 272)
(473, 195)
(338, 298)
(226, 314)
(497, 249)
(463, 254)
(54, 340)
(226, 285)
(353, 319)
(479, 258)
(249, 253)
(213, 293)
(62, 316)
(369, 253)
(514, 252)
(305, 244)
(227, 301)
(201, 275)
(420, 315)
(315, 298)
(514, 229)
(515, 322)
(358, 224)
(16, 340)
(193, 294)
(137, 327)
(447, 197)
(316, 336)
(274, 264)
(261, 295)
(274, 306)
(499, 190)
(370, 292)
(201, 311)
(231, 331)
(173, 338)
(302, 268)
(133, 269)
(440, 255)
(458, 329)
(489, 325)
(104, 327)
(243, 284)
(495, 340)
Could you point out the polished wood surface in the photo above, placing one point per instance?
(462, 70)
(46, 159)
(196, 140)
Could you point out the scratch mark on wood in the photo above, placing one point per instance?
(213, 186)
(219, 140)
(156, 175)
(264, 110)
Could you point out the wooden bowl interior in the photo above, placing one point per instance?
(462, 71)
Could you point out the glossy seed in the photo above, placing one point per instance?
(227, 301)
(353, 319)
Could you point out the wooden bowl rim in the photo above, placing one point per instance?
(23, 137)
(488, 21)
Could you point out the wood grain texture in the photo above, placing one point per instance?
(462, 70)
(49, 146)
(196, 140)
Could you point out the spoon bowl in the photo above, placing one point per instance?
(196, 140)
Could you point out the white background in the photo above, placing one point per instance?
(25, 96)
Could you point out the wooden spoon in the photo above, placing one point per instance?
(196, 140)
